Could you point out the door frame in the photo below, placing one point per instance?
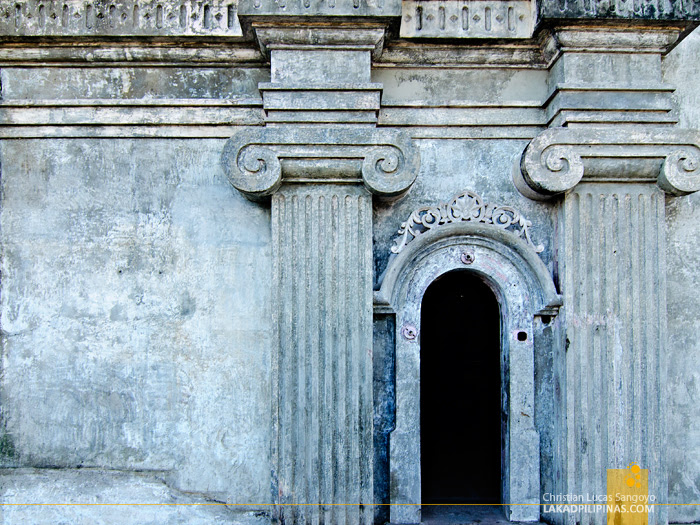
(524, 289)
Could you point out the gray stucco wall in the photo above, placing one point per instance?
(682, 68)
(135, 313)
(136, 282)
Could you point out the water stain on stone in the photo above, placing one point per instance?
(188, 305)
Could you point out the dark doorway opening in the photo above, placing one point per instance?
(460, 391)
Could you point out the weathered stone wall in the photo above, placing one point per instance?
(137, 283)
(136, 313)
(683, 69)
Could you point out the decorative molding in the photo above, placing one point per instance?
(257, 159)
(619, 9)
(559, 158)
(606, 38)
(467, 206)
(333, 8)
(220, 18)
(120, 18)
(174, 53)
(468, 19)
(518, 53)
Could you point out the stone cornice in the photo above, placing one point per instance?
(222, 19)
(320, 8)
(559, 158)
(120, 18)
(258, 160)
(648, 10)
(312, 36)
(615, 38)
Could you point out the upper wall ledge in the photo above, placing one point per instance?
(511, 19)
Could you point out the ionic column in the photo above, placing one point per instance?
(320, 159)
(322, 371)
(322, 398)
(611, 268)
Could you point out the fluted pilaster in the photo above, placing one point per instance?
(320, 158)
(323, 366)
(613, 278)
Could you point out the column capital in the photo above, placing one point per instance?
(257, 160)
(558, 159)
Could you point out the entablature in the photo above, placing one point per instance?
(231, 19)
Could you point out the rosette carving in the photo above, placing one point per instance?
(467, 206)
(680, 173)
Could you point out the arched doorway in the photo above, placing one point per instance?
(524, 289)
(460, 391)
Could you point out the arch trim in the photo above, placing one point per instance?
(496, 238)
(524, 289)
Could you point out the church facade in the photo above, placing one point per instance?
(335, 261)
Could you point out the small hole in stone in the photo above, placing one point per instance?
(546, 319)
(522, 336)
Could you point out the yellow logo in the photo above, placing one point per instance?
(634, 478)
(628, 496)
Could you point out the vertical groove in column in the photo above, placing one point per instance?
(595, 442)
(657, 406)
(323, 383)
(286, 473)
(612, 292)
(332, 357)
(282, 247)
(586, 299)
(341, 354)
(613, 278)
(294, 357)
(324, 495)
(622, 312)
(607, 285)
(648, 322)
(635, 349)
(366, 378)
(351, 205)
(347, 422)
(569, 219)
(579, 346)
(277, 326)
(312, 358)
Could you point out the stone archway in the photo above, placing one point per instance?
(461, 396)
(524, 289)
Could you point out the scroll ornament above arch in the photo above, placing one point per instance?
(468, 221)
(466, 206)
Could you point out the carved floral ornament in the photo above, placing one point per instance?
(469, 207)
